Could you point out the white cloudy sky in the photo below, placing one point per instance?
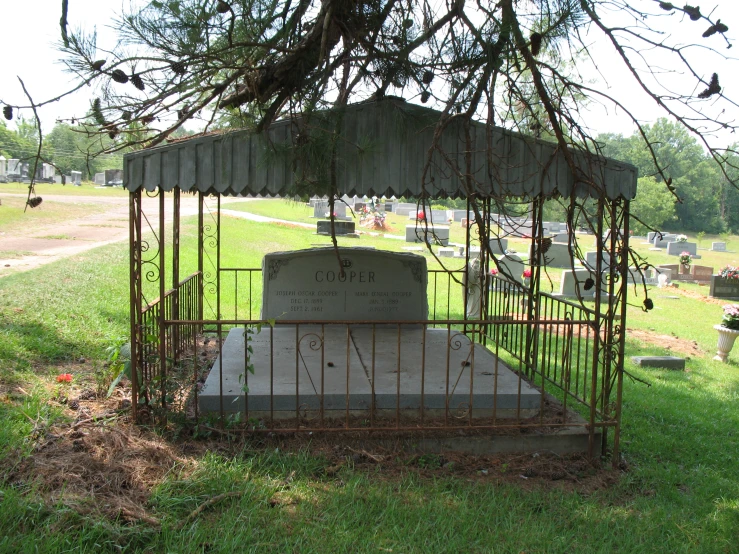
(30, 32)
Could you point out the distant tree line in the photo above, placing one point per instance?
(67, 147)
(708, 201)
(703, 200)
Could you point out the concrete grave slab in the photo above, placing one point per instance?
(718, 246)
(294, 377)
(482, 364)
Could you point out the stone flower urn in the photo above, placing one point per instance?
(726, 338)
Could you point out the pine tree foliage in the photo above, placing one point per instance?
(510, 62)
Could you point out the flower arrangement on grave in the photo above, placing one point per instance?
(685, 258)
(730, 273)
(372, 218)
(730, 319)
(681, 238)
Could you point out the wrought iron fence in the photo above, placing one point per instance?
(455, 383)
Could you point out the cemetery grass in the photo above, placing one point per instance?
(88, 188)
(14, 221)
(677, 491)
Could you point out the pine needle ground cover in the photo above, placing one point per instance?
(99, 484)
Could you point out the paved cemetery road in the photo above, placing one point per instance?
(32, 244)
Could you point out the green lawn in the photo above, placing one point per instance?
(679, 493)
(88, 188)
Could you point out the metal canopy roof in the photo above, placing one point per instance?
(382, 150)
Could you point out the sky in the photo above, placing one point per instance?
(30, 36)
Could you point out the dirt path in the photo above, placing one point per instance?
(47, 243)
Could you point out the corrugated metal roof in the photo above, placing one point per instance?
(382, 149)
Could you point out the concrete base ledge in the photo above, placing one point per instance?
(666, 362)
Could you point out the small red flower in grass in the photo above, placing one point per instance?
(64, 378)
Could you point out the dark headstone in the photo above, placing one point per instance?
(724, 288)
(341, 227)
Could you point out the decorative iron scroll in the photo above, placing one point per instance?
(275, 266)
(416, 270)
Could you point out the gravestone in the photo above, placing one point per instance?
(446, 252)
(701, 273)
(498, 246)
(516, 227)
(724, 288)
(340, 209)
(674, 271)
(513, 264)
(677, 248)
(404, 208)
(376, 285)
(432, 234)
(718, 246)
(651, 235)
(340, 227)
(663, 241)
(347, 200)
(572, 282)
(663, 275)
(651, 276)
(100, 178)
(320, 208)
(438, 216)
(457, 215)
(359, 206)
(591, 259)
(390, 206)
(558, 255)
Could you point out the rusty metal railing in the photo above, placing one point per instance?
(472, 354)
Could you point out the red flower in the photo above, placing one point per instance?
(334, 214)
(527, 273)
(421, 216)
(493, 271)
(64, 378)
